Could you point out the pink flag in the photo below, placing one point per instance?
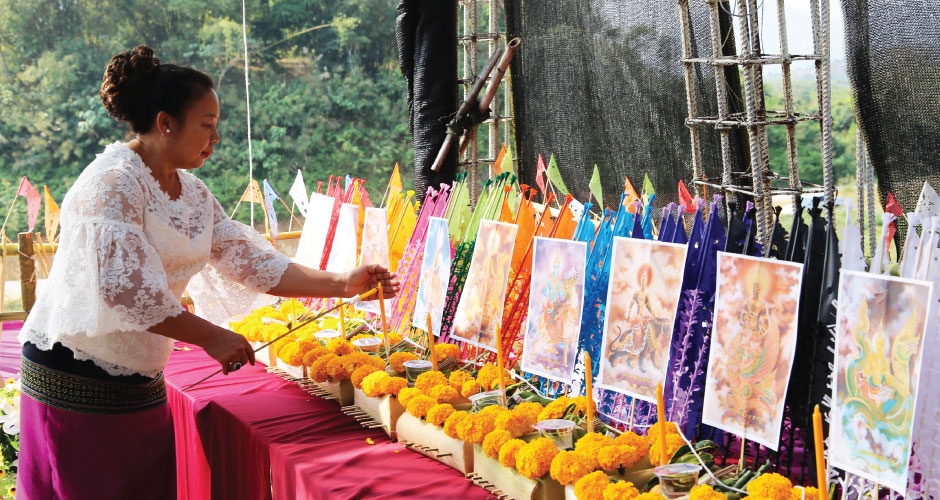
(685, 199)
(891, 206)
(540, 174)
(33, 201)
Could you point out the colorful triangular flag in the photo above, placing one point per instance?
(595, 186)
(540, 175)
(554, 176)
(51, 216)
(298, 193)
(33, 201)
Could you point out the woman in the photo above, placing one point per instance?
(136, 226)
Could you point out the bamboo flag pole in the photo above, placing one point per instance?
(43, 258)
(431, 343)
(500, 362)
(384, 322)
(10, 211)
(351, 300)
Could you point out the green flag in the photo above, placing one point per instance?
(507, 165)
(647, 188)
(554, 176)
(595, 187)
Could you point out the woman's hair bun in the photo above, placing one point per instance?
(126, 82)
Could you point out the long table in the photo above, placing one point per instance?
(252, 435)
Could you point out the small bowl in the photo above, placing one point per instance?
(484, 399)
(325, 336)
(368, 344)
(415, 367)
(677, 480)
(559, 430)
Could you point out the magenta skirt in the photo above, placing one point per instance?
(91, 438)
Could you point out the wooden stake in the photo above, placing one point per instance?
(384, 322)
(742, 458)
(431, 343)
(500, 362)
(661, 420)
(589, 392)
(632, 411)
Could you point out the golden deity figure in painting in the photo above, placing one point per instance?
(640, 342)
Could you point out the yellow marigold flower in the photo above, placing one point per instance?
(275, 348)
(590, 444)
(337, 369)
(616, 457)
(591, 486)
(397, 360)
(517, 423)
(438, 413)
(475, 427)
(296, 357)
(429, 379)
(632, 439)
(444, 394)
(445, 350)
(770, 486)
(394, 338)
(488, 376)
(493, 411)
(419, 405)
(673, 443)
(307, 344)
(796, 493)
(652, 434)
(508, 452)
(340, 347)
(407, 393)
(285, 351)
(621, 490)
(555, 409)
(370, 384)
(313, 354)
(458, 378)
(705, 492)
(494, 441)
(360, 373)
(319, 370)
(293, 307)
(355, 360)
(534, 460)
(657, 496)
(580, 405)
(569, 466)
(392, 385)
(470, 388)
(450, 425)
(529, 408)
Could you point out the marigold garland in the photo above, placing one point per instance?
(313, 354)
(618, 457)
(419, 405)
(621, 490)
(445, 350)
(340, 347)
(370, 384)
(319, 370)
(555, 409)
(429, 379)
(444, 394)
(360, 373)
(569, 466)
(535, 458)
(438, 413)
(337, 369)
(470, 388)
(450, 425)
(632, 439)
(508, 452)
(590, 444)
(475, 427)
(516, 422)
(458, 378)
(488, 376)
(405, 395)
(392, 385)
(770, 486)
(591, 486)
(397, 360)
(494, 441)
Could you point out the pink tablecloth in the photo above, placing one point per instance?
(251, 435)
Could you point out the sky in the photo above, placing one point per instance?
(800, 28)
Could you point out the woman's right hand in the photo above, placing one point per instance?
(231, 350)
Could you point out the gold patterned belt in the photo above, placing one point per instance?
(79, 394)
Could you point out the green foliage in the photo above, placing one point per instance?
(326, 95)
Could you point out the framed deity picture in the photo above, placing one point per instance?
(642, 298)
(752, 346)
(480, 310)
(880, 328)
(435, 276)
(556, 298)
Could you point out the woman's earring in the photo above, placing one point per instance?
(168, 131)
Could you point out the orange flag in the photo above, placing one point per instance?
(631, 197)
(497, 165)
(33, 200)
(566, 223)
(252, 193)
(51, 216)
(525, 219)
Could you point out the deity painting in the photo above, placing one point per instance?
(752, 346)
(435, 277)
(880, 331)
(642, 298)
(480, 311)
(343, 251)
(556, 298)
(374, 249)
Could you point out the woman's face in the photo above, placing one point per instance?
(192, 145)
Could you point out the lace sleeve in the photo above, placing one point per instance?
(241, 255)
(107, 276)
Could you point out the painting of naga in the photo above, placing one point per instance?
(556, 298)
(645, 283)
(752, 346)
(879, 337)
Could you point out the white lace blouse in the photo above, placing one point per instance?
(126, 253)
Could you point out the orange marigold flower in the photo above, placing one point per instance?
(429, 379)
(470, 388)
(555, 409)
(534, 460)
(444, 394)
(591, 486)
(796, 493)
(657, 496)
(508, 452)
(445, 350)
(458, 378)
(493, 411)
(419, 405)
(307, 344)
(517, 423)
(296, 357)
(319, 370)
(359, 374)
(569, 466)
(405, 395)
(494, 441)
(337, 369)
(770, 486)
(397, 360)
(652, 434)
(394, 338)
(340, 347)
(580, 405)
(370, 384)
(673, 443)
(635, 440)
(313, 354)
(438, 413)
(475, 427)
(488, 376)
(590, 444)
(392, 385)
(532, 408)
(621, 490)
(705, 492)
(450, 425)
(616, 457)
(286, 350)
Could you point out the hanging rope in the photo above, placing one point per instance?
(251, 172)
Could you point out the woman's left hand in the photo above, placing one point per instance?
(368, 276)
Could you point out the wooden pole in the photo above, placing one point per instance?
(27, 271)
